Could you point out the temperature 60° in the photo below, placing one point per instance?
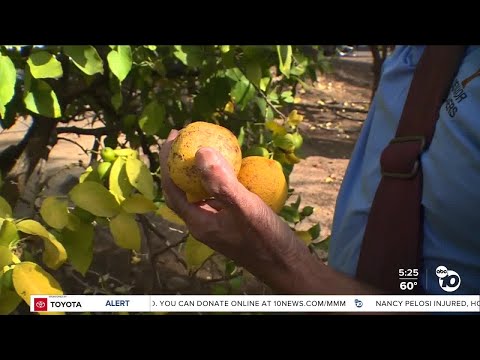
(407, 285)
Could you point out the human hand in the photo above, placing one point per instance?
(236, 223)
(239, 225)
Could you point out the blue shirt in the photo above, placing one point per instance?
(451, 170)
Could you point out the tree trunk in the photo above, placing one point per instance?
(29, 159)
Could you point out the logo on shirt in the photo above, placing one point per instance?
(458, 93)
(449, 280)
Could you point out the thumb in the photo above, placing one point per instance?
(218, 177)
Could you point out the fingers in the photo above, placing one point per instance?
(215, 204)
(218, 177)
(174, 196)
(165, 149)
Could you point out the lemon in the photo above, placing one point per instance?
(108, 154)
(181, 159)
(265, 177)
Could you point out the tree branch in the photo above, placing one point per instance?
(170, 248)
(88, 286)
(144, 223)
(262, 94)
(74, 142)
(98, 132)
(224, 278)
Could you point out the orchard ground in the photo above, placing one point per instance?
(334, 108)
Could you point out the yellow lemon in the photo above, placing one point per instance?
(181, 159)
(265, 177)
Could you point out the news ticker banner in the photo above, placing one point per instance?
(254, 303)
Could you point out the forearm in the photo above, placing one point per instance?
(295, 271)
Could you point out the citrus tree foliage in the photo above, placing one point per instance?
(141, 92)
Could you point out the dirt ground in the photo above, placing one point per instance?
(329, 138)
(330, 135)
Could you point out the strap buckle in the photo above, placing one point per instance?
(393, 146)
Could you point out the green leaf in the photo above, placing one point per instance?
(253, 72)
(117, 100)
(89, 175)
(140, 177)
(307, 211)
(189, 55)
(118, 180)
(9, 301)
(287, 96)
(94, 198)
(8, 233)
(8, 76)
(125, 231)
(296, 204)
(322, 245)
(242, 93)
(86, 58)
(196, 252)
(83, 215)
(305, 236)
(5, 208)
(168, 214)
(241, 136)
(40, 98)
(213, 96)
(129, 121)
(79, 246)
(275, 128)
(284, 142)
(30, 279)
(315, 231)
(180, 54)
(120, 61)
(264, 82)
(236, 283)
(219, 289)
(152, 118)
(294, 118)
(73, 222)
(138, 204)
(6, 282)
(44, 65)
(54, 212)
(54, 254)
(5, 257)
(285, 59)
(290, 214)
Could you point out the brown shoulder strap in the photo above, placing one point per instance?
(394, 232)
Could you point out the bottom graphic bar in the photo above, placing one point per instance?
(253, 303)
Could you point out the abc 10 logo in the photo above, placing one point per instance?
(449, 280)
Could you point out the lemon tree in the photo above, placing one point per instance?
(134, 95)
